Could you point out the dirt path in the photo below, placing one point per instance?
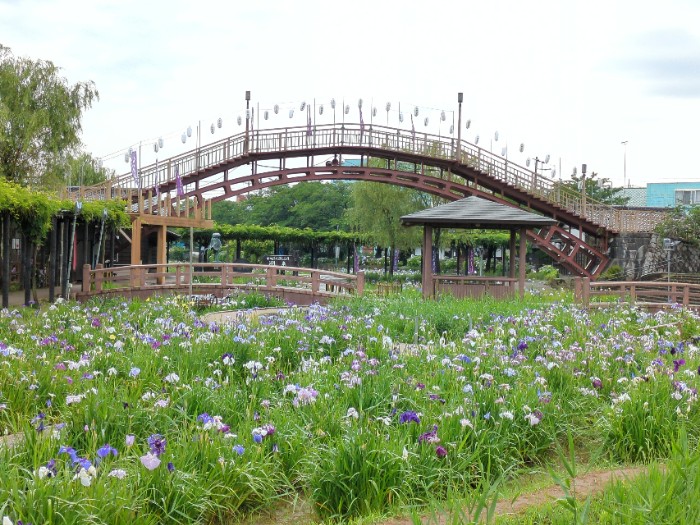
(591, 483)
(232, 316)
(300, 511)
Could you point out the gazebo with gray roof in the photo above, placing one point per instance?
(474, 213)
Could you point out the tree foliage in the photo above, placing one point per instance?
(313, 205)
(376, 211)
(33, 210)
(40, 120)
(599, 190)
(682, 223)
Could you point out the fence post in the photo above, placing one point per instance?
(586, 291)
(577, 289)
(686, 295)
(99, 277)
(315, 282)
(360, 282)
(87, 270)
(271, 280)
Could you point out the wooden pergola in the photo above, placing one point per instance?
(475, 213)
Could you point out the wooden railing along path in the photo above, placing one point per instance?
(296, 285)
(652, 294)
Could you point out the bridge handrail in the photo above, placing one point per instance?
(329, 136)
(219, 275)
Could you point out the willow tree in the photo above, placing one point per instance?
(40, 120)
(376, 210)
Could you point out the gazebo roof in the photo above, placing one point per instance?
(475, 212)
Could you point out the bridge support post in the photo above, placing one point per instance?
(136, 241)
(161, 253)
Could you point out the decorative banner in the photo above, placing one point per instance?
(157, 184)
(470, 257)
(135, 169)
(395, 261)
(178, 182)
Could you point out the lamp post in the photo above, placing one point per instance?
(669, 246)
(624, 164)
(247, 121)
(65, 291)
(583, 189)
(460, 98)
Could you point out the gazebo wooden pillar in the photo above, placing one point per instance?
(521, 262)
(427, 274)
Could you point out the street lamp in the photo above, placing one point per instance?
(247, 121)
(669, 246)
(624, 164)
(460, 98)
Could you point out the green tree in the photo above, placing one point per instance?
(40, 120)
(682, 223)
(376, 211)
(313, 205)
(600, 190)
(84, 170)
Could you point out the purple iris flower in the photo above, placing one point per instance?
(156, 443)
(171, 467)
(409, 416)
(204, 418)
(430, 436)
(677, 364)
(441, 451)
(105, 450)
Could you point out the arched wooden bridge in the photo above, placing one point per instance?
(438, 165)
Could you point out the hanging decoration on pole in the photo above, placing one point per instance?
(135, 169)
(178, 182)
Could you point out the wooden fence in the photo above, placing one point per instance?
(653, 294)
(296, 285)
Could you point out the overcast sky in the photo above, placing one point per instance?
(569, 79)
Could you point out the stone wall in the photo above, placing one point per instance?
(641, 254)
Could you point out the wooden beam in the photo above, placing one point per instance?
(175, 222)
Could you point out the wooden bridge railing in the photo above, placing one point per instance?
(399, 141)
(218, 279)
(647, 293)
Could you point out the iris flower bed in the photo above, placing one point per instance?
(141, 412)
